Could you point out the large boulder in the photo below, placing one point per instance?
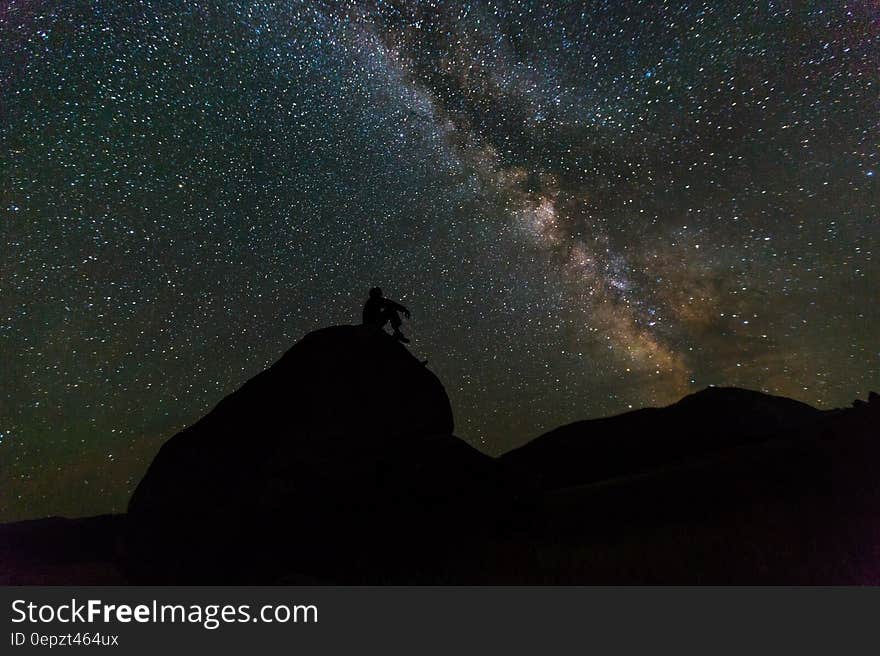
(333, 461)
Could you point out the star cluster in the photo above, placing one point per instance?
(589, 207)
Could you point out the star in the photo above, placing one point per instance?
(587, 208)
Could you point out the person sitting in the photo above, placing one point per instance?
(379, 310)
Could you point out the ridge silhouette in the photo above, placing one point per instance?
(700, 424)
(338, 465)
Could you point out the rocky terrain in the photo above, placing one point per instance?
(338, 464)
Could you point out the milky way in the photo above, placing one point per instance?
(589, 207)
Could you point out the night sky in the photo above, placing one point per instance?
(588, 207)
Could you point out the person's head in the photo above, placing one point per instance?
(376, 292)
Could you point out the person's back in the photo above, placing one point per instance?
(372, 314)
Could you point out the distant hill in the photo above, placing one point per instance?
(706, 422)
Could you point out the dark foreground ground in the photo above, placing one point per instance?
(299, 477)
(782, 512)
(57, 551)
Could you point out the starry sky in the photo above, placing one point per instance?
(588, 207)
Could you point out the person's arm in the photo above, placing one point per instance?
(400, 308)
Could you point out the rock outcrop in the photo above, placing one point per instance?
(338, 461)
(337, 466)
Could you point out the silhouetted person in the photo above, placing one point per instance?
(379, 310)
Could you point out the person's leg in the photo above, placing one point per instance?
(395, 325)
